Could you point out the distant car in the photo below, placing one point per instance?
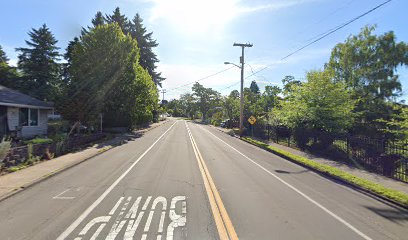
(223, 124)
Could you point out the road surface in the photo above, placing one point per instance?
(184, 180)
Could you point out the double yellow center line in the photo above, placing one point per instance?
(222, 221)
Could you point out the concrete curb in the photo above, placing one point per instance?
(44, 177)
(328, 176)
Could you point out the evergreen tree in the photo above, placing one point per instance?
(8, 75)
(38, 63)
(120, 19)
(254, 87)
(146, 43)
(3, 57)
(98, 19)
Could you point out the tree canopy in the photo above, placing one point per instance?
(109, 82)
(39, 65)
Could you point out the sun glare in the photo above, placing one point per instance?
(195, 16)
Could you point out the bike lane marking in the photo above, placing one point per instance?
(85, 214)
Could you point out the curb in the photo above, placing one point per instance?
(328, 176)
(331, 177)
(49, 175)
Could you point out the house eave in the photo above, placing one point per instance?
(24, 106)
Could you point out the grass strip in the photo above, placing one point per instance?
(393, 195)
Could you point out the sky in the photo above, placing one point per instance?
(196, 36)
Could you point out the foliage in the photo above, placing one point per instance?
(394, 195)
(146, 43)
(38, 140)
(148, 59)
(106, 78)
(206, 99)
(254, 87)
(367, 64)
(4, 149)
(9, 76)
(39, 65)
(231, 105)
(320, 104)
(397, 125)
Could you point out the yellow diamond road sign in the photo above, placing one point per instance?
(252, 120)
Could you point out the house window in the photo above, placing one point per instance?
(28, 117)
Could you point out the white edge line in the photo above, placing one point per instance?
(297, 191)
(78, 221)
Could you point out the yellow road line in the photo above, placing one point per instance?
(222, 220)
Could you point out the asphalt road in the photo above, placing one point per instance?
(188, 181)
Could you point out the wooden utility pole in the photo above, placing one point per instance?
(163, 91)
(241, 107)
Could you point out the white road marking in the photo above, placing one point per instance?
(85, 214)
(116, 206)
(59, 196)
(176, 220)
(296, 190)
(124, 213)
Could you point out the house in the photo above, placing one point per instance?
(22, 114)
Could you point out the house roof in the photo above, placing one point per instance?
(12, 98)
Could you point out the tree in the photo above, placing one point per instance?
(146, 43)
(120, 19)
(8, 75)
(39, 66)
(206, 99)
(231, 105)
(367, 64)
(106, 78)
(254, 88)
(269, 98)
(320, 106)
(189, 105)
(3, 57)
(289, 83)
(98, 19)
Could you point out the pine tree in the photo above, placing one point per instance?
(254, 87)
(8, 75)
(146, 43)
(98, 19)
(120, 19)
(38, 63)
(3, 57)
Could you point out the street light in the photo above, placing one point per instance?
(241, 106)
(236, 65)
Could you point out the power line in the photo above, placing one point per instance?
(212, 75)
(327, 33)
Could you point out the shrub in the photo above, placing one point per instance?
(38, 141)
(4, 149)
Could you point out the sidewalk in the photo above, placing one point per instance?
(14, 182)
(373, 177)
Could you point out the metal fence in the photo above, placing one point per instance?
(386, 157)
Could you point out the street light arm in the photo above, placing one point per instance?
(233, 64)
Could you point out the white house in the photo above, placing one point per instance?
(25, 115)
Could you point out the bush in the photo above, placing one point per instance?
(4, 149)
(38, 141)
(302, 137)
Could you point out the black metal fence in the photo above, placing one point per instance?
(386, 157)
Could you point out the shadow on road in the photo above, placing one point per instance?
(395, 215)
(287, 172)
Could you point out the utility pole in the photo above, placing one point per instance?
(241, 107)
(163, 91)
